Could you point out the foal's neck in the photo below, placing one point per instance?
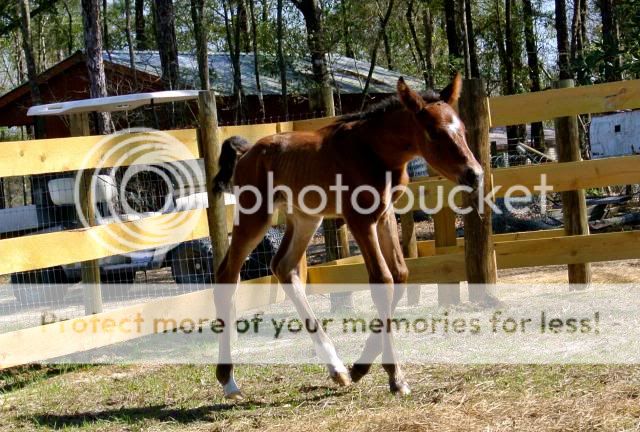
(396, 139)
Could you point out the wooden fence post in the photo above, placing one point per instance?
(210, 147)
(89, 270)
(574, 204)
(343, 240)
(480, 257)
(410, 250)
(444, 225)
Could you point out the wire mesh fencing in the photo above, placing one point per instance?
(44, 204)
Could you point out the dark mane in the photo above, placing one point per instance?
(378, 110)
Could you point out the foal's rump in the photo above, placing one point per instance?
(232, 148)
(295, 159)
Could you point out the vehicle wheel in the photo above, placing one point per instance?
(258, 264)
(116, 285)
(40, 286)
(192, 263)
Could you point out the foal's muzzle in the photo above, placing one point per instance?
(472, 178)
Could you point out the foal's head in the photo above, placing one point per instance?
(444, 145)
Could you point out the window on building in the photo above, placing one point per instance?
(616, 128)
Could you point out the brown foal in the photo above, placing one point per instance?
(370, 148)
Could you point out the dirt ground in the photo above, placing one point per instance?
(627, 271)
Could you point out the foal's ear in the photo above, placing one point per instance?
(451, 93)
(410, 99)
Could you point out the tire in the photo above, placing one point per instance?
(116, 285)
(192, 263)
(40, 286)
(258, 264)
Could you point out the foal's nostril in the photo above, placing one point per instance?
(471, 178)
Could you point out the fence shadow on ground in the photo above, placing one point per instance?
(168, 413)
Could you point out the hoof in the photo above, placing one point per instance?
(234, 396)
(400, 388)
(358, 370)
(342, 379)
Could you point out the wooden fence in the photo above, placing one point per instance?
(431, 262)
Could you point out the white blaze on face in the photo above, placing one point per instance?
(455, 126)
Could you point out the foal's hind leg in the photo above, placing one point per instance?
(246, 236)
(387, 230)
(300, 229)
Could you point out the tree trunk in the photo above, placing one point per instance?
(537, 130)
(515, 133)
(563, 40)
(422, 61)
(166, 40)
(584, 10)
(578, 40)
(453, 42)
(200, 35)
(232, 28)
(610, 40)
(427, 23)
(69, 28)
(387, 47)
(282, 65)
(374, 52)
(473, 54)
(105, 28)
(576, 24)
(508, 44)
(502, 54)
(346, 29)
(19, 62)
(256, 60)
(127, 29)
(141, 35)
(322, 95)
(465, 41)
(25, 28)
(94, 60)
(243, 21)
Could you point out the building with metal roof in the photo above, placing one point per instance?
(68, 80)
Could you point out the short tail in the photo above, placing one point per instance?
(232, 148)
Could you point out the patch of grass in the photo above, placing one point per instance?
(19, 377)
(445, 397)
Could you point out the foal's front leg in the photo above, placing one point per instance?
(382, 293)
(391, 248)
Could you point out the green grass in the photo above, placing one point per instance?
(445, 397)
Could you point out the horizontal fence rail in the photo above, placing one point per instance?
(57, 339)
(93, 243)
(48, 156)
(535, 252)
(550, 104)
(562, 177)
(21, 158)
